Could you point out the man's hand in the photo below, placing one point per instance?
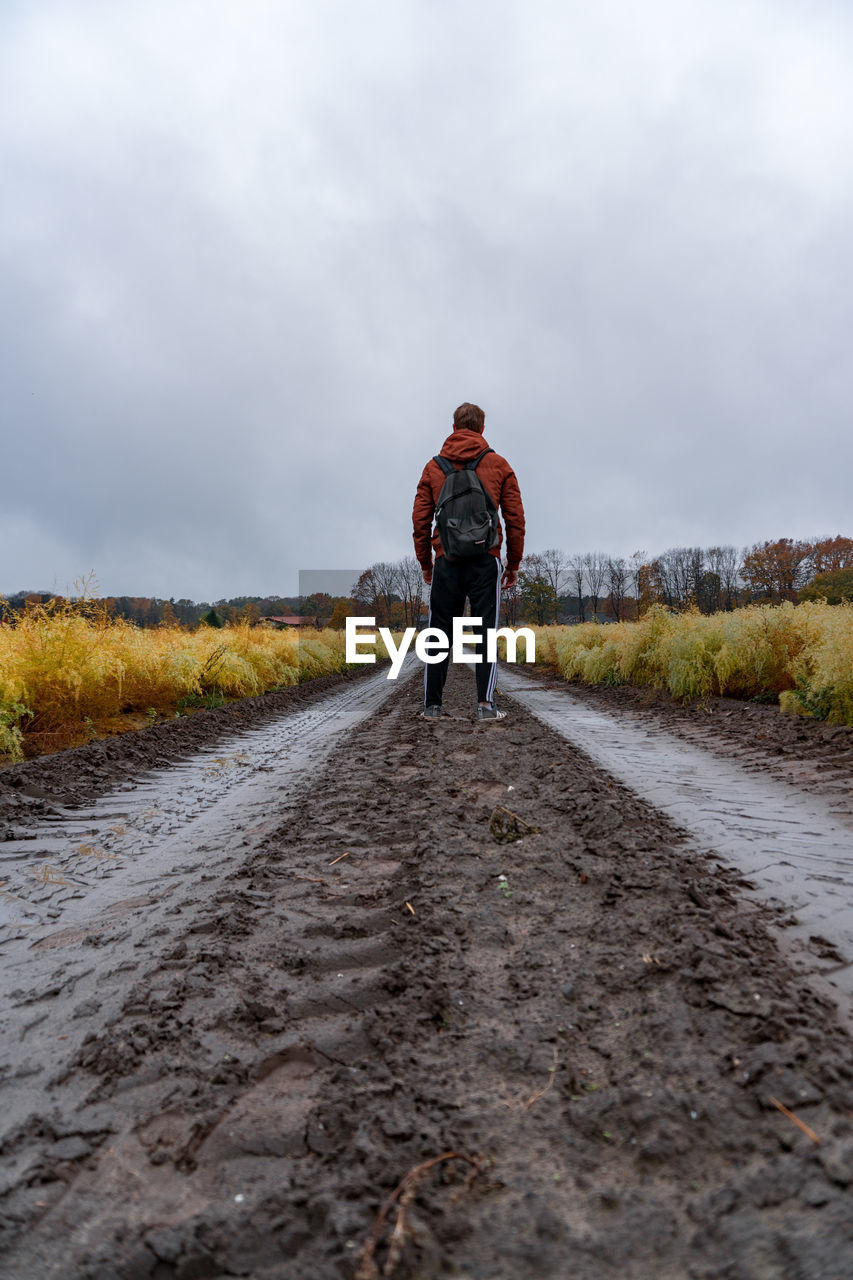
(509, 579)
(427, 575)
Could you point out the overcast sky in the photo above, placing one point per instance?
(252, 256)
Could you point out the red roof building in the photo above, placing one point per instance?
(292, 620)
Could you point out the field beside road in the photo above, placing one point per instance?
(800, 655)
(71, 673)
(463, 1006)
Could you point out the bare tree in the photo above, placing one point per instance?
(555, 567)
(365, 594)
(408, 584)
(696, 572)
(636, 563)
(672, 567)
(680, 570)
(595, 568)
(577, 579)
(385, 577)
(708, 592)
(618, 577)
(726, 562)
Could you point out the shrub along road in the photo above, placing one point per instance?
(581, 1052)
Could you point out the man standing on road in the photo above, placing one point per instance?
(476, 577)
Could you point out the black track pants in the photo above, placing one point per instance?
(479, 580)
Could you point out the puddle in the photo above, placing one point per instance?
(785, 840)
(191, 814)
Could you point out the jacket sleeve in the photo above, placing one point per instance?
(512, 511)
(422, 514)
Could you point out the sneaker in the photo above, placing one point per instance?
(431, 713)
(490, 713)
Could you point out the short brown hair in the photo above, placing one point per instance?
(470, 416)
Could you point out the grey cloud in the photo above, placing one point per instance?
(247, 276)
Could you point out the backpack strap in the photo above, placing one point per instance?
(445, 464)
(474, 462)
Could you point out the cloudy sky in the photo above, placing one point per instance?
(254, 253)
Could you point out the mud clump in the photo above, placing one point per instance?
(506, 826)
(590, 1018)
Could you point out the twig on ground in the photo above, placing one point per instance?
(398, 1235)
(466, 1185)
(403, 1195)
(521, 1103)
(312, 879)
(340, 859)
(540, 1093)
(801, 1124)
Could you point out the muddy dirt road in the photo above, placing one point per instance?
(313, 975)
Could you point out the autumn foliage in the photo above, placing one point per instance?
(722, 578)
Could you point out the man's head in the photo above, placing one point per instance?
(469, 417)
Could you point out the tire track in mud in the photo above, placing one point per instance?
(270, 959)
(597, 1018)
(796, 847)
(164, 847)
(814, 756)
(131, 837)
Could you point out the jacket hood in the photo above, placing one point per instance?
(462, 445)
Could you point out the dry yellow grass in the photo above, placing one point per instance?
(71, 672)
(803, 654)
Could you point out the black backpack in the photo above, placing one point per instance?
(465, 516)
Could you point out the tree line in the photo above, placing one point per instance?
(556, 586)
(153, 611)
(552, 586)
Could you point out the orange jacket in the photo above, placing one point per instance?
(497, 477)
